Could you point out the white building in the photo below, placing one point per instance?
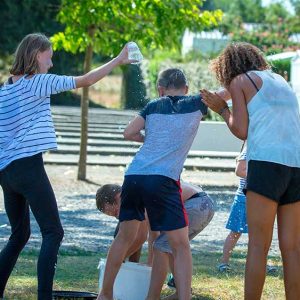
(295, 68)
(204, 41)
(214, 41)
(295, 74)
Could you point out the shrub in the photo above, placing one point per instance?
(282, 67)
(197, 72)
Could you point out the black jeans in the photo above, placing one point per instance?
(25, 184)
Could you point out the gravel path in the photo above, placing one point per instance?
(87, 229)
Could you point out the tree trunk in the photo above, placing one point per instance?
(133, 93)
(84, 118)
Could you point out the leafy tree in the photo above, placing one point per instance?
(237, 12)
(105, 26)
(248, 10)
(272, 35)
(294, 22)
(251, 11)
(296, 6)
(275, 12)
(272, 25)
(19, 18)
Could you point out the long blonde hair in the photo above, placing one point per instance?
(25, 61)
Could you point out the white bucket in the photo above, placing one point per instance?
(132, 281)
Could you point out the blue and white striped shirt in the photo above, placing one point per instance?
(26, 126)
(243, 181)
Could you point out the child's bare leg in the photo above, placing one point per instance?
(134, 251)
(229, 244)
(160, 266)
(173, 296)
(135, 257)
(152, 236)
(171, 263)
(179, 242)
(116, 255)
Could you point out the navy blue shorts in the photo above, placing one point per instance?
(274, 181)
(159, 195)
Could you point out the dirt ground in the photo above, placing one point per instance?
(88, 229)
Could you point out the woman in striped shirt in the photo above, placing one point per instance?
(26, 132)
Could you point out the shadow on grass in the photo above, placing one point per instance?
(206, 264)
(77, 271)
(202, 297)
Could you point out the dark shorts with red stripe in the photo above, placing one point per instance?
(159, 195)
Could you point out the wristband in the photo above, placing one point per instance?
(223, 109)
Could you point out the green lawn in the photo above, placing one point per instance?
(77, 270)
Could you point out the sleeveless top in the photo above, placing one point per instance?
(274, 122)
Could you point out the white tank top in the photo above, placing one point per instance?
(274, 122)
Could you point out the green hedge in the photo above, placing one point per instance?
(282, 67)
(197, 72)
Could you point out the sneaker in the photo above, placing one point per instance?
(272, 270)
(224, 268)
(171, 282)
(171, 297)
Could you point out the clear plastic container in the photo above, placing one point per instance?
(134, 53)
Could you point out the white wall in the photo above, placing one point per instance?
(215, 136)
(295, 74)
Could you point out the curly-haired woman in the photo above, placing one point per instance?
(265, 111)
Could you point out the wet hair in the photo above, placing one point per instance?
(172, 79)
(106, 195)
(236, 59)
(25, 61)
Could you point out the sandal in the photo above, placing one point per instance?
(224, 268)
(272, 270)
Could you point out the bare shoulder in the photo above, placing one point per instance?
(244, 86)
(238, 82)
(237, 85)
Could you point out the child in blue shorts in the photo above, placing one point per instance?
(237, 221)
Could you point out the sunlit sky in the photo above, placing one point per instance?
(285, 2)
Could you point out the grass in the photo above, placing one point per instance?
(208, 283)
(77, 270)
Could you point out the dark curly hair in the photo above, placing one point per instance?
(236, 59)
